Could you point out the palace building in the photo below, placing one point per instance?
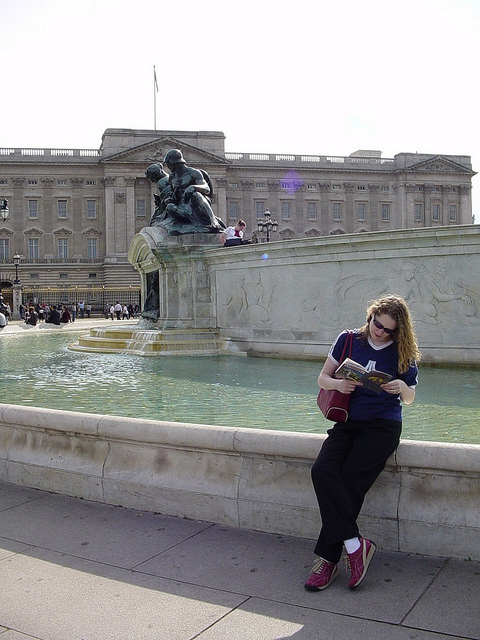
(72, 213)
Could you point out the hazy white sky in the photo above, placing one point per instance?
(299, 77)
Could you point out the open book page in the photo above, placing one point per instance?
(351, 370)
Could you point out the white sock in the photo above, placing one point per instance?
(352, 544)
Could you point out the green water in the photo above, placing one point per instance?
(262, 393)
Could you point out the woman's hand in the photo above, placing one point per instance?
(399, 387)
(346, 386)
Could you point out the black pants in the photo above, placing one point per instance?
(349, 462)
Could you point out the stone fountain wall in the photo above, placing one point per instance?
(426, 500)
(292, 298)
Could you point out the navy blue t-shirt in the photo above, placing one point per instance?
(366, 404)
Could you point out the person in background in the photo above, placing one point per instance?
(356, 451)
(53, 316)
(125, 312)
(65, 317)
(32, 317)
(118, 310)
(233, 236)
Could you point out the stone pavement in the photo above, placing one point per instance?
(81, 324)
(71, 569)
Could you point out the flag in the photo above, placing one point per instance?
(155, 83)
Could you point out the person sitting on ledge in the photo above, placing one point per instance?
(53, 316)
(233, 236)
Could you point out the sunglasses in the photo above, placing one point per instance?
(379, 325)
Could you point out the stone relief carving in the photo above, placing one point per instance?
(251, 297)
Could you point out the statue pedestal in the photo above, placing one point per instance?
(176, 286)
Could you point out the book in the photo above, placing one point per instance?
(351, 370)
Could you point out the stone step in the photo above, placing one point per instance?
(151, 342)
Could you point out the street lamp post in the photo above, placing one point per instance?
(267, 224)
(3, 215)
(16, 262)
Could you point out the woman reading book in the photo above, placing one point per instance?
(356, 451)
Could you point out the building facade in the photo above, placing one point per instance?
(73, 213)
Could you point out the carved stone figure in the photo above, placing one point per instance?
(183, 202)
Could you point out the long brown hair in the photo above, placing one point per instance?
(396, 307)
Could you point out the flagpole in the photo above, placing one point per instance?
(155, 90)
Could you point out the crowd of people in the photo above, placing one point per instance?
(120, 311)
(33, 314)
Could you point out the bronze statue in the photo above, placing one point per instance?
(183, 202)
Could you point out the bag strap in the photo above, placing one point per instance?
(348, 342)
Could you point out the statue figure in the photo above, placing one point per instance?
(183, 202)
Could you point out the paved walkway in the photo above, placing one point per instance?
(71, 569)
(81, 324)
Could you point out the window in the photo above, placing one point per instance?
(361, 211)
(33, 252)
(3, 181)
(33, 208)
(141, 208)
(91, 248)
(259, 209)
(361, 188)
(34, 276)
(92, 275)
(436, 212)
(62, 208)
(64, 276)
(336, 187)
(90, 183)
(311, 211)
(91, 208)
(260, 185)
(62, 248)
(233, 185)
(337, 210)
(385, 211)
(286, 210)
(419, 212)
(385, 188)
(62, 183)
(30, 182)
(4, 249)
(452, 215)
(311, 187)
(233, 209)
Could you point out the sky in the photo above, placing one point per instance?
(300, 77)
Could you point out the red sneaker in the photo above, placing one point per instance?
(359, 560)
(323, 574)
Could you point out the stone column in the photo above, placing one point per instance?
(324, 213)
(374, 213)
(110, 217)
(17, 301)
(464, 215)
(349, 207)
(221, 200)
(131, 209)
